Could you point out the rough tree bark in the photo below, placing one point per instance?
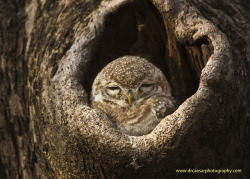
(52, 50)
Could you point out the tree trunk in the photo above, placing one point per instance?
(51, 52)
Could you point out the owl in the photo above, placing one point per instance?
(134, 94)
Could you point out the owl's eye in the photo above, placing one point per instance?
(113, 90)
(146, 87)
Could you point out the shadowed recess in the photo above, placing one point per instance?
(138, 29)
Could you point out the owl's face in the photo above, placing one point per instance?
(128, 96)
(129, 81)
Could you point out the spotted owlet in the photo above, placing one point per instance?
(134, 94)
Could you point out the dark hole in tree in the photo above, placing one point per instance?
(138, 29)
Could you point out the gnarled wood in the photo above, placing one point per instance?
(51, 51)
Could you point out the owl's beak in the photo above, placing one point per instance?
(130, 99)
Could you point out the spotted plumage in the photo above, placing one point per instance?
(134, 94)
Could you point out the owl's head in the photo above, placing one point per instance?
(129, 80)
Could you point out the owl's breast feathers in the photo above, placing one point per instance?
(141, 118)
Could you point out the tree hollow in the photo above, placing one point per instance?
(138, 28)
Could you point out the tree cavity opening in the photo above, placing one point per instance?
(139, 29)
